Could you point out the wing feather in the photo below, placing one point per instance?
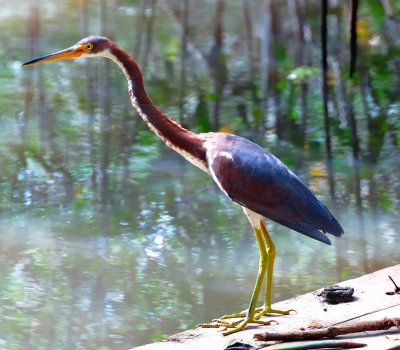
(257, 180)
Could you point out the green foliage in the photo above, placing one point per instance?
(383, 79)
(291, 102)
(375, 9)
(202, 116)
(281, 54)
(145, 151)
(385, 199)
(344, 134)
(281, 85)
(378, 127)
(257, 113)
(302, 73)
(213, 96)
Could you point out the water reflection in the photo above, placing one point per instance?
(177, 254)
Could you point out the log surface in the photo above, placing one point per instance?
(370, 303)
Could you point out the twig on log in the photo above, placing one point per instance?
(331, 332)
(396, 287)
(325, 344)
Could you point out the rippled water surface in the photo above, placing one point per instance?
(173, 252)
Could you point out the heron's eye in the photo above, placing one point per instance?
(89, 47)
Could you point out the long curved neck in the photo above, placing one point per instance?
(183, 141)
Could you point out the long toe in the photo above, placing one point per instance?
(267, 311)
(233, 326)
(242, 324)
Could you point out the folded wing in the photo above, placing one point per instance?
(257, 180)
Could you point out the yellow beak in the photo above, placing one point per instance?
(71, 52)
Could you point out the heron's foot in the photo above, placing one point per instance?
(241, 314)
(260, 312)
(227, 317)
(230, 327)
(240, 325)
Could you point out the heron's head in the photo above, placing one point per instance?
(91, 46)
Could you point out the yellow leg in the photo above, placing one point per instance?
(253, 314)
(270, 250)
(249, 316)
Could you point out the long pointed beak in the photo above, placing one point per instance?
(71, 52)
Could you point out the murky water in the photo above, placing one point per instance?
(171, 253)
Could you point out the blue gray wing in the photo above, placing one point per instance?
(257, 180)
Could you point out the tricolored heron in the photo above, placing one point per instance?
(248, 174)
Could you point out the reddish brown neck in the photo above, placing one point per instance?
(174, 135)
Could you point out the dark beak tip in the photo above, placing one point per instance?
(29, 63)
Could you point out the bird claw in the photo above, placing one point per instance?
(240, 325)
(237, 315)
(208, 325)
(229, 327)
(260, 312)
(241, 314)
